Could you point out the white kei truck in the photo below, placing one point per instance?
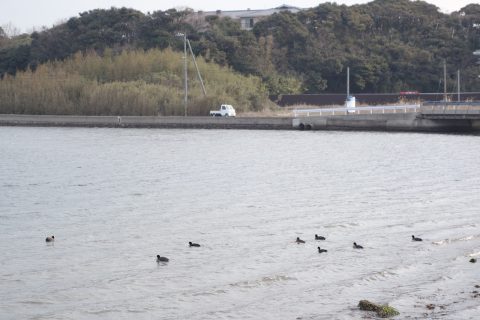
(226, 110)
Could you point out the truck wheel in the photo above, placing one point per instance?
(226, 116)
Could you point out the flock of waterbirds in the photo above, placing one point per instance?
(355, 245)
(299, 241)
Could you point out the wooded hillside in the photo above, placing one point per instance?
(389, 45)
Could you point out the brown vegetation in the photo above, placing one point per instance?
(131, 83)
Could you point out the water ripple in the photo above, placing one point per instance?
(115, 199)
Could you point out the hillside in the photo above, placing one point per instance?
(390, 45)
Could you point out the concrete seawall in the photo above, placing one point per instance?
(259, 123)
(408, 122)
(385, 122)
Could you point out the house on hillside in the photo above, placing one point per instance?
(247, 18)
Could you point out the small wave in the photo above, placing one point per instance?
(380, 275)
(35, 302)
(331, 226)
(474, 254)
(9, 185)
(246, 227)
(136, 311)
(210, 293)
(261, 282)
(441, 242)
(98, 312)
(447, 241)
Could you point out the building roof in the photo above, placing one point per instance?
(238, 14)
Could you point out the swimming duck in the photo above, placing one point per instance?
(317, 237)
(321, 250)
(357, 246)
(299, 240)
(161, 259)
(191, 244)
(50, 239)
(416, 239)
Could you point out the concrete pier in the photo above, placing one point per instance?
(411, 122)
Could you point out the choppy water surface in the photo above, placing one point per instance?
(115, 198)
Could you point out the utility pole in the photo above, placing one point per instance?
(458, 85)
(444, 80)
(185, 41)
(348, 82)
(185, 69)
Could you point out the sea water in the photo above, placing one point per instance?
(115, 198)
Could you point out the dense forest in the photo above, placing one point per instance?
(389, 45)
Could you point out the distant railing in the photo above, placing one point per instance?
(411, 108)
(440, 107)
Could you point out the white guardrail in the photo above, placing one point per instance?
(450, 108)
(357, 110)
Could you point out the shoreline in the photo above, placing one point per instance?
(178, 122)
(406, 122)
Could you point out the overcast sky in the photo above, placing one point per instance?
(26, 14)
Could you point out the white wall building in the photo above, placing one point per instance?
(248, 18)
